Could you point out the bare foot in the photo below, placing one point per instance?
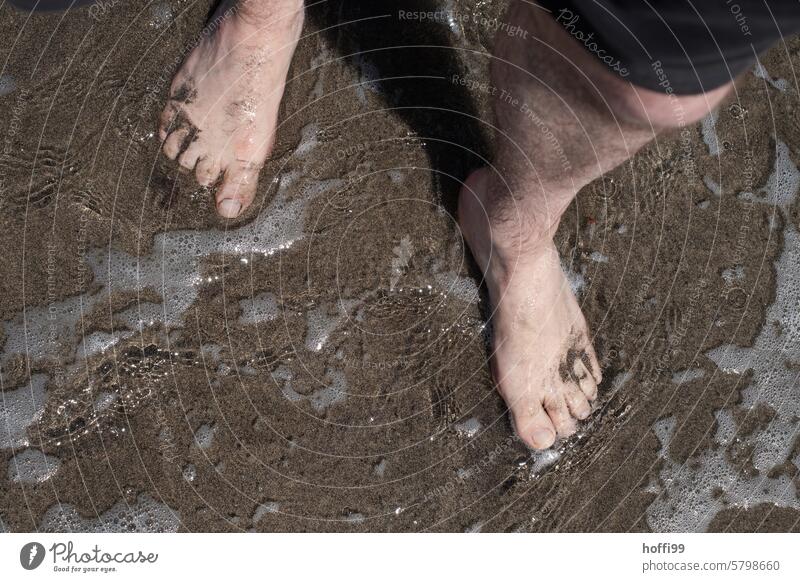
(223, 107)
(543, 361)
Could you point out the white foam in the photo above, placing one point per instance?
(696, 491)
(204, 436)
(336, 391)
(309, 140)
(464, 288)
(475, 527)
(354, 517)
(32, 466)
(265, 508)
(708, 127)
(761, 72)
(259, 308)
(380, 468)
(686, 376)
(173, 269)
(715, 188)
(7, 85)
(146, 515)
(160, 15)
(733, 274)
(322, 321)
(468, 428)
(189, 473)
(598, 257)
(576, 280)
(541, 460)
(19, 409)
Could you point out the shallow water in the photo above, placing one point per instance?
(322, 364)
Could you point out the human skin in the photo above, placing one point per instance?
(562, 119)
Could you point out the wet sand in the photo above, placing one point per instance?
(320, 363)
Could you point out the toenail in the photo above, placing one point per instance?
(542, 438)
(229, 208)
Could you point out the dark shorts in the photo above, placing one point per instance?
(678, 46)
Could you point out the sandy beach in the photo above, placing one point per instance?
(320, 363)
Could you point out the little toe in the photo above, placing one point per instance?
(533, 425)
(592, 364)
(557, 409)
(207, 171)
(166, 119)
(237, 190)
(585, 380)
(174, 143)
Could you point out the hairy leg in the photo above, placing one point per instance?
(563, 120)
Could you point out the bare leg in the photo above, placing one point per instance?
(223, 107)
(564, 120)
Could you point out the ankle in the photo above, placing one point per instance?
(272, 14)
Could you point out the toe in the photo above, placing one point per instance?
(577, 402)
(585, 380)
(533, 425)
(174, 143)
(207, 171)
(237, 190)
(188, 159)
(592, 364)
(556, 407)
(165, 121)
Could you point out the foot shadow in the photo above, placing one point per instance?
(416, 60)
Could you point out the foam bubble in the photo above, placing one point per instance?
(468, 428)
(715, 188)
(32, 466)
(380, 468)
(19, 409)
(336, 391)
(7, 85)
(541, 460)
(145, 515)
(576, 280)
(696, 491)
(204, 436)
(598, 257)
(259, 308)
(189, 473)
(265, 508)
(759, 71)
(733, 274)
(708, 127)
(464, 288)
(686, 376)
(322, 321)
(160, 15)
(354, 517)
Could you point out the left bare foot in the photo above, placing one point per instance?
(223, 106)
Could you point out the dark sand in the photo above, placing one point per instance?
(393, 424)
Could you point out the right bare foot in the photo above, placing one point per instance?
(223, 107)
(543, 361)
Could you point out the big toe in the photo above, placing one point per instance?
(237, 191)
(533, 425)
